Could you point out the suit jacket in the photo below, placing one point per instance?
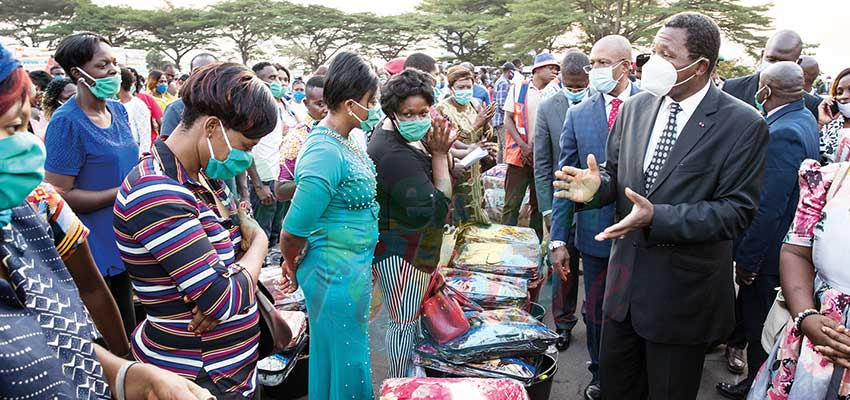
(744, 89)
(585, 132)
(793, 138)
(547, 133)
(675, 276)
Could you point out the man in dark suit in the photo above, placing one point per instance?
(793, 138)
(547, 133)
(585, 132)
(785, 45)
(684, 168)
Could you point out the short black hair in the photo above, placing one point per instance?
(316, 82)
(77, 49)
(166, 65)
(260, 66)
(516, 62)
(642, 59)
(420, 61)
(703, 35)
(574, 63)
(127, 78)
(280, 67)
(50, 101)
(192, 66)
(348, 78)
(140, 80)
(231, 93)
(407, 83)
(40, 79)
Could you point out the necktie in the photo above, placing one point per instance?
(615, 109)
(663, 147)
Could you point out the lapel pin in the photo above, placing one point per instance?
(701, 124)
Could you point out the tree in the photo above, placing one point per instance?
(154, 60)
(729, 69)
(118, 24)
(247, 23)
(320, 33)
(25, 20)
(176, 31)
(464, 26)
(637, 20)
(386, 37)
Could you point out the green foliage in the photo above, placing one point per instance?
(25, 20)
(118, 24)
(248, 23)
(464, 27)
(313, 34)
(729, 69)
(175, 31)
(154, 60)
(388, 37)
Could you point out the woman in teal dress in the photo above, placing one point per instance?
(334, 216)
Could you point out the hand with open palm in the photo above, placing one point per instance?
(578, 185)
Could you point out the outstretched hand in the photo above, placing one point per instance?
(640, 217)
(578, 185)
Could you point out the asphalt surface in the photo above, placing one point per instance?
(572, 375)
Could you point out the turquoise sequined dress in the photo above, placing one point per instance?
(335, 208)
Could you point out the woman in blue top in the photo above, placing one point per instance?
(335, 216)
(90, 149)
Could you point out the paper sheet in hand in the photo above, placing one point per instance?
(473, 156)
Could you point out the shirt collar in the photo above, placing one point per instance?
(771, 112)
(170, 165)
(690, 104)
(624, 95)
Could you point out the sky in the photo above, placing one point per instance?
(821, 22)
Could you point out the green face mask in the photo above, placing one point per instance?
(436, 93)
(760, 104)
(414, 130)
(371, 121)
(104, 88)
(463, 96)
(236, 162)
(21, 170)
(277, 89)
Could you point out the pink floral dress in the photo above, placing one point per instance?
(794, 370)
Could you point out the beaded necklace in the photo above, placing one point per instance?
(346, 143)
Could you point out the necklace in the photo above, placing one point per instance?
(346, 143)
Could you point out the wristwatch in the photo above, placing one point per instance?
(555, 244)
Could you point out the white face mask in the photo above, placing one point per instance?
(844, 109)
(659, 75)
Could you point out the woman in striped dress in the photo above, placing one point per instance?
(193, 262)
(414, 187)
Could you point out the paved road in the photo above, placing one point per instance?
(572, 375)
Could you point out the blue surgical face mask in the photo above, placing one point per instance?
(162, 88)
(371, 121)
(575, 97)
(299, 96)
(463, 96)
(236, 162)
(413, 130)
(602, 79)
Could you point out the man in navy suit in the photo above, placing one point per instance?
(586, 132)
(793, 138)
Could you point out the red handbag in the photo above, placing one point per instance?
(441, 311)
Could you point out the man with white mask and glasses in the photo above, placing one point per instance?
(683, 164)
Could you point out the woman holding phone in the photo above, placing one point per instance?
(834, 120)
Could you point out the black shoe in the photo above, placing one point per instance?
(736, 391)
(592, 391)
(564, 339)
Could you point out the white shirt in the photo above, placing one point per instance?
(624, 95)
(771, 112)
(140, 123)
(688, 106)
(267, 151)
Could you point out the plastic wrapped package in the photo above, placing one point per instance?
(518, 260)
(497, 334)
(270, 277)
(273, 370)
(297, 322)
(452, 389)
(494, 202)
(488, 290)
(496, 233)
(522, 369)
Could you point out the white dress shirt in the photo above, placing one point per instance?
(624, 95)
(688, 106)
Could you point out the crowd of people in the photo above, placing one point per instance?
(665, 185)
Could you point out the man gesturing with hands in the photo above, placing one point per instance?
(684, 164)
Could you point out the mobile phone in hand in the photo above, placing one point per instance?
(833, 109)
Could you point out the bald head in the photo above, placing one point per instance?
(613, 47)
(785, 80)
(811, 70)
(201, 60)
(784, 45)
(612, 51)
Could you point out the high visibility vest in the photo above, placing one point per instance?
(512, 150)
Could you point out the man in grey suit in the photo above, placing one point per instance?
(547, 134)
(684, 165)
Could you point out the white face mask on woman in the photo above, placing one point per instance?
(659, 75)
(844, 109)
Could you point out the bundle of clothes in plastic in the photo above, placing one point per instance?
(492, 266)
(452, 389)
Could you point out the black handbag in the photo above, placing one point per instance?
(275, 334)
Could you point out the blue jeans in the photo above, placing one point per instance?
(595, 273)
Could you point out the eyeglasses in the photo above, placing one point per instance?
(602, 64)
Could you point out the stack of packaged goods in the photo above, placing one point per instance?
(274, 371)
(452, 389)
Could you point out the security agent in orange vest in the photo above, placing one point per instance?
(520, 114)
